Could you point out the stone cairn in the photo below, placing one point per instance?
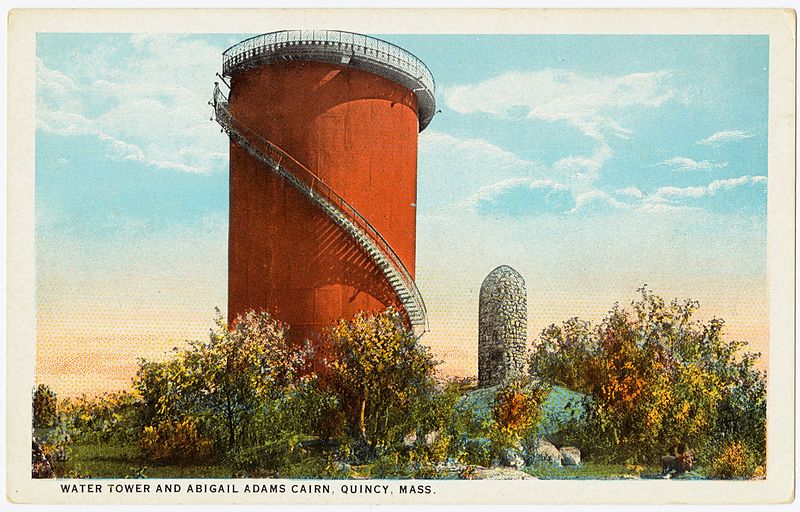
(502, 327)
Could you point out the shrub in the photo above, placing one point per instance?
(226, 381)
(179, 442)
(310, 409)
(377, 371)
(271, 455)
(563, 354)
(390, 465)
(476, 451)
(434, 420)
(470, 426)
(654, 377)
(280, 428)
(44, 406)
(110, 416)
(733, 461)
(485, 422)
(516, 410)
(314, 466)
(57, 444)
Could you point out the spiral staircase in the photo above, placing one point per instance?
(332, 204)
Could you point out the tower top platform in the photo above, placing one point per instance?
(342, 48)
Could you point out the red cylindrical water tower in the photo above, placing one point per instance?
(323, 168)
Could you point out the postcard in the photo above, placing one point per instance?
(401, 256)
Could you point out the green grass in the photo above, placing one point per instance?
(123, 461)
(586, 471)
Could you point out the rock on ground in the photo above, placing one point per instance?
(546, 451)
(481, 473)
(570, 456)
(512, 458)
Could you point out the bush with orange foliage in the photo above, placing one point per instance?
(516, 409)
(655, 376)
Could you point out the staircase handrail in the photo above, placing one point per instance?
(313, 184)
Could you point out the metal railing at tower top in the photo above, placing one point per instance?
(339, 48)
(335, 206)
(357, 44)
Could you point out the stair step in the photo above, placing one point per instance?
(405, 292)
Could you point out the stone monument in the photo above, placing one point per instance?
(502, 327)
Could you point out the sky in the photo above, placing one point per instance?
(593, 165)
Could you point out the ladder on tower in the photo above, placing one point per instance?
(332, 204)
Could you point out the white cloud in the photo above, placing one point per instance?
(122, 150)
(745, 193)
(685, 164)
(54, 85)
(721, 185)
(450, 169)
(496, 189)
(632, 192)
(472, 149)
(592, 104)
(63, 123)
(588, 103)
(680, 192)
(522, 197)
(583, 167)
(712, 188)
(598, 201)
(453, 169)
(725, 136)
(145, 102)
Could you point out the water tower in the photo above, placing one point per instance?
(323, 127)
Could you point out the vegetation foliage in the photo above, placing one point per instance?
(364, 401)
(379, 373)
(44, 406)
(654, 376)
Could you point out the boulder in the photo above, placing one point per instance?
(570, 456)
(679, 461)
(545, 451)
(481, 473)
(431, 438)
(512, 458)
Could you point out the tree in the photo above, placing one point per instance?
(377, 369)
(227, 379)
(563, 353)
(44, 406)
(655, 376)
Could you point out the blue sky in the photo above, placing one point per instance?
(591, 164)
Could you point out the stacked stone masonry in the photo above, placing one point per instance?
(502, 327)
